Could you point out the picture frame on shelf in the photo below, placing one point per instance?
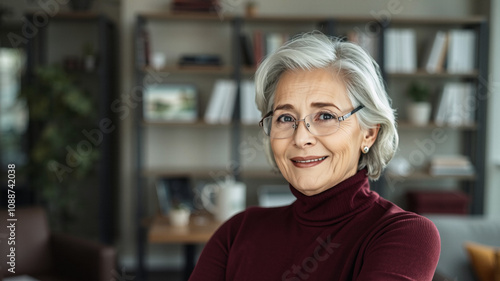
(174, 193)
(170, 103)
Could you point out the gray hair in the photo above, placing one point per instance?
(361, 75)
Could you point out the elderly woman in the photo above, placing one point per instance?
(330, 128)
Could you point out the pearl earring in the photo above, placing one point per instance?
(366, 149)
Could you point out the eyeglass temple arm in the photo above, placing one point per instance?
(342, 118)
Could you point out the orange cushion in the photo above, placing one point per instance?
(485, 261)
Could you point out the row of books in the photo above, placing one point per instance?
(400, 53)
(454, 165)
(453, 51)
(220, 109)
(262, 44)
(456, 105)
(456, 49)
(367, 41)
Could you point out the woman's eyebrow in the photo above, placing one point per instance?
(286, 106)
(324, 104)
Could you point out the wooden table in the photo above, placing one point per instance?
(199, 231)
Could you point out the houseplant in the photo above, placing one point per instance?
(59, 110)
(419, 108)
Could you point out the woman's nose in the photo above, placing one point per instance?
(302, 136)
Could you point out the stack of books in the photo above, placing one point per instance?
(400, 53)
(451, 165)
(195, 5)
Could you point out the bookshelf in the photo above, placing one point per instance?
(470, 137)
(227, 32)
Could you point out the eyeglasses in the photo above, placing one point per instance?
(321, 123)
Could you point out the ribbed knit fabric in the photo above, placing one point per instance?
(347, 232)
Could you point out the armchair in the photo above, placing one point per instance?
(48, 256)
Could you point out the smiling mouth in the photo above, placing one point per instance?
(310, 160)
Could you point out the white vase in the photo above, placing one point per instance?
(419, 113)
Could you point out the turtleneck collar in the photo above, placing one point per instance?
(335, 204)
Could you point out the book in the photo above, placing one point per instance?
(220, 108)
(434, 58)
(214, 107)
(443, 165)
(456, 105)
(258, 47)
(366, 41)
(247, 54)
(250, 114)
(227, 108)
(461, 51)
(400, 50)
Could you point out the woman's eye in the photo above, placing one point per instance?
(326, 116)
(285, 119)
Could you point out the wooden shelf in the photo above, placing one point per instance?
(185, 16)
(408, 126)
(199, 230)
(211, 70)
(197, 124)
(200, 172)
(438, 21)
(81, 15)
(421, 175)
(420, 73)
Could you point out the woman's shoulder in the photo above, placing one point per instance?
(407, 225)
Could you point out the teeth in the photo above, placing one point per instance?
(312, 160)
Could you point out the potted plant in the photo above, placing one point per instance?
(58, 112)
(179, 215)
(419, 109)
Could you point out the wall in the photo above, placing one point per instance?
(493, 139)
(376, 8)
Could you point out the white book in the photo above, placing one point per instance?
(214, 107)
(227, 110)
(470, 54)
(250, 114)
(455, 110)
(454, 51)
(433, 58)
(389, 50)
(470, 104)
(411, 47)
(440, 117)
(398, 50)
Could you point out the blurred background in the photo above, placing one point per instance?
(118, 113)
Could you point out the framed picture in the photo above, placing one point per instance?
(171, 103)
(172, 192)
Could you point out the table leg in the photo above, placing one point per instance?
(189, 260)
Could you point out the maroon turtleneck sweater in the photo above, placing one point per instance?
(344, 233)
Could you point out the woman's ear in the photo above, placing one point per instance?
(369, 136)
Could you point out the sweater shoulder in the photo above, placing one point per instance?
(397, 224)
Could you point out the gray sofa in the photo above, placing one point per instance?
(454, 231)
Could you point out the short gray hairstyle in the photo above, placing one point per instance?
(359, 72)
